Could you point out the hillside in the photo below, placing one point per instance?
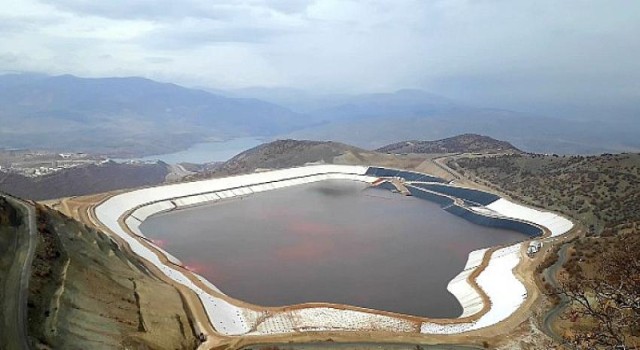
(83, 180)
(86, 292)
(14, 244)
(598, 190)
(121, 116)
(466, 143)
(282, 154)
(602, 264)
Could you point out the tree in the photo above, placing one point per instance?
(606, 299)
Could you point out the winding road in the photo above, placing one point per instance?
(550, 275)
(17, 329)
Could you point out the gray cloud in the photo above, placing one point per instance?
(169, 9)
(514, 54)
(194, 33)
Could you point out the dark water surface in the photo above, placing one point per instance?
(332, 241)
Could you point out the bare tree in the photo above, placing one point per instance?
(607, 299)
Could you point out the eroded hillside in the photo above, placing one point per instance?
(86, 292)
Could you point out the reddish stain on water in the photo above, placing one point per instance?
(332, 241)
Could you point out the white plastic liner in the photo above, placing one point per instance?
(556, 224)
(227, 319)
(143, 213)
(504, 290)
(469, 298)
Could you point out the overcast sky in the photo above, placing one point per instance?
(501, 53)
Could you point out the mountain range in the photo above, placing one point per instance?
(126, 115)
(137, 116)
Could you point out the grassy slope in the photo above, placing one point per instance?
(85, 293)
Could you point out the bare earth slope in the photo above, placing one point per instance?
(466, 143)
(87, 293)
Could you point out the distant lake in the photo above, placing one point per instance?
(207, 152)
(335, 241)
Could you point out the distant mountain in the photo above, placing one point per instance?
(526, 132)
(466, 143)
(329, 107)
(129, 117)
(403, 103)
(132, 115)
(83, 180)
(295, 99)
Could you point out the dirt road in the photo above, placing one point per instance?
(17, 284)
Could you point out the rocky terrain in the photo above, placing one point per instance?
(86, 292)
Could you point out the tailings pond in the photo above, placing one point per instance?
(332, 241)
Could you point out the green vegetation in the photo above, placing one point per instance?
(280, 154)
(466, 143)
(600, 280)
(597, 190)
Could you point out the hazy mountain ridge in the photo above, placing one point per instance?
(340, 107)
(374, 120)
(537, 135)
(126, 117)
(402, 103)
(465, 143)
(132, 114)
